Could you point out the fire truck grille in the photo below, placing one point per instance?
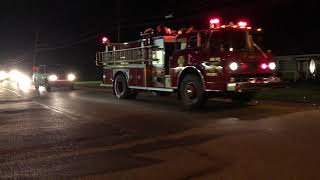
(252, 66)
(248, 77)
(62, 77)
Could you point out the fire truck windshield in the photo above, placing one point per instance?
(231, 40)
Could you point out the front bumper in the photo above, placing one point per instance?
(253, 86)
(60, 83)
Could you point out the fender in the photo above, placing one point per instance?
(194, 69)
(125, 72)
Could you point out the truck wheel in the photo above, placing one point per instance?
(242, 98)
(47, 86)
(36, 85)
(192, 92)
(120, 87)
(71, 87)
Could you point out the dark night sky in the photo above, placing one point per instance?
(68, 30)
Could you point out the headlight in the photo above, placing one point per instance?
(71, 77)
(233, 66)
(14, 75)
(24, 83)
(53, 78)
(272, 66)
(3, 75)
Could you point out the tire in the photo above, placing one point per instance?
(71, 87)
(120, 87)
(242, 98)
(47, 86)
(192, 92)
(36, 85)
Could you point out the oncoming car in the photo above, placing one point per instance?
(50, 76)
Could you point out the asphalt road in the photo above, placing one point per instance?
(88, 134)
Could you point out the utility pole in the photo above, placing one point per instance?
(119, 19)
(35, 48)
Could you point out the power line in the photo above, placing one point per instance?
(63, 46)
(35, 48)
(184, 18)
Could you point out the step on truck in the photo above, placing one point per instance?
(222, 60)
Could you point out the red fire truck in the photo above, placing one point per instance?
(222, 60)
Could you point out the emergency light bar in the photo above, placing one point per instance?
(214, 23)
(104, 40)
(242, 24)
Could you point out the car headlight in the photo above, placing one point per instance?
(3, 75)
(24, 83)
(233, 66)
(71, 77)
(53, 77)
(272, 66)
(14, 75)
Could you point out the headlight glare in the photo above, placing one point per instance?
(233, 66)
(53, 77)
(3, 75)
(272, 66)
(71, 77)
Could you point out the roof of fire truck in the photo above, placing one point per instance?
(215, 25)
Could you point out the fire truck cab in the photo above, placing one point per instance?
(222, 60)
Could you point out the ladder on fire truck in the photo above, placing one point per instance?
(124, 57)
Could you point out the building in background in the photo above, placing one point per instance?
(299, 67)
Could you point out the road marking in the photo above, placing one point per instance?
(43, 105)
(206, 130)
(56, 110)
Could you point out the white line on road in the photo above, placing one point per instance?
(91, 150)
(43, 105)
(56, 110)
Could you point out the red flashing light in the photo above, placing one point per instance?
(214, 21)
(105, 40)
(264, 66)
(242, 24)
